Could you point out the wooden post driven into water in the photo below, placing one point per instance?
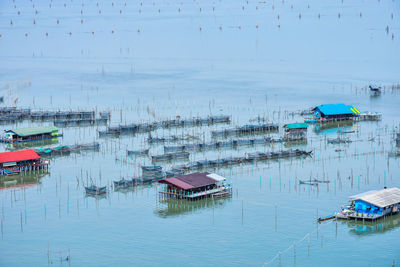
(242, 211)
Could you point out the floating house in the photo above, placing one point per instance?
(295, 130)
(372, 205)
(195, 186)
(31, 134)
(21, 161)
(335, 112)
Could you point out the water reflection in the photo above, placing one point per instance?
(360, 228)
(17, 146)
(176, 207)
(332, 127)
(22, 179)
(296, 144)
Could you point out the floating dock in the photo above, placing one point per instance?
(148, 127)
(228, 144)
(13, 114)
(246, 129)
(66, 150)
(251, 157)
(80, 122)
(171, 156)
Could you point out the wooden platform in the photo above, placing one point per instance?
(218, 192)
(362, 217)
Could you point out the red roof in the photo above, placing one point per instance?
(190, 181)
(20, 155)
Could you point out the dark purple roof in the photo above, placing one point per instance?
(195, 180)
(177, 183)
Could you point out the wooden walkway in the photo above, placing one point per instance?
(362, 216)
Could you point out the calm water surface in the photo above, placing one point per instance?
(151, 61)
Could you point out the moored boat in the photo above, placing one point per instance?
(123, 183)
(95, 190)
(321, 219)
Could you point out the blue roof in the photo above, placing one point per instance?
(335, 109)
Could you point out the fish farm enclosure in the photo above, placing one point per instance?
(199, 133)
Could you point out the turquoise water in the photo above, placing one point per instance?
(171, 68)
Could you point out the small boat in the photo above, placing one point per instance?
(321, 181)
(152, 168)
(147, 180)
(314, 182)
(339, 141)
(95, 190)
(223, 193)
(345, 132)
(144, 152)
(123, 183)
(308, 182)
(375, 90)
(309, 121)
(14, 171)
(326, 218)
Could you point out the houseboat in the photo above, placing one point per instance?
(334, 112)
(30, 134)
(372, 205)
(195, 186)
(15, 162)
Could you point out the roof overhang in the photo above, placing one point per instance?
(216, 177)
(176, 182)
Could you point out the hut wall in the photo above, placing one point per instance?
(364, 207)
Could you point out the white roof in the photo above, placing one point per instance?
(358, 196)
(381, 198)
(216, 177)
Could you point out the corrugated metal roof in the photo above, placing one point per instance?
(189, 181)
(299, 125)
(34, 130)
(197, 179)
(176, 182)
(20, 155)
(382, 198)
(216, 177)
(362, 194)
(336, 109)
